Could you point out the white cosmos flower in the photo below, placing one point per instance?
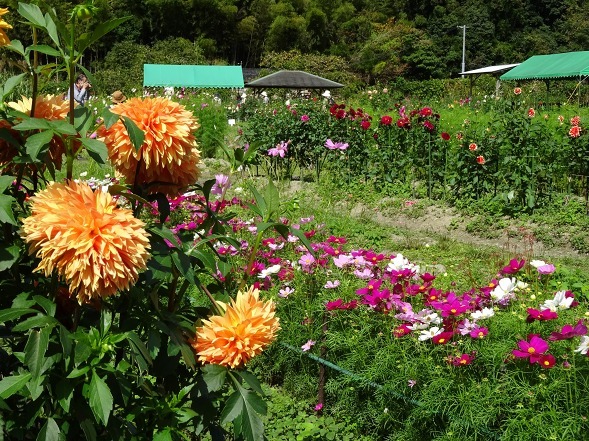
(430, 333)
(558, 302)
(584, 345)
(482, 314)
(504, 288)
(537, 263)
(269, 271)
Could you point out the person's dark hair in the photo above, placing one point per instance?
(81, 77)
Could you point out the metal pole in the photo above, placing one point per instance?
(463, 47)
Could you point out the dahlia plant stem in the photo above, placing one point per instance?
(211, 298)
(34, 74)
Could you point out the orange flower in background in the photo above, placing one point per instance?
(242, 332)
(97, 247)
(168, 156)
(575, 132)
(49, 107)
(4, 40)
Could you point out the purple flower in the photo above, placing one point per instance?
(305, 118)
(411, 383)
(318, 407)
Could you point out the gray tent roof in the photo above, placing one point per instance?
(293, 79)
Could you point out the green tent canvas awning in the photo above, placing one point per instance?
(158, 75)
(541, 67)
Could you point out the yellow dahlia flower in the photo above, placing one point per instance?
(4, 40)
(97, 247)
(49, 107)
(168, 158)
(246, 328)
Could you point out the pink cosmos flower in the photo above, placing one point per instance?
(280, 150)
(305, 118)
(307, 346)
(221, 184)
(546, 269)
(307, 260)
(331, 285)
(533, 349)
(318, 407)
(411, 383)
(479, 332)
(335, 145)
(285, 292)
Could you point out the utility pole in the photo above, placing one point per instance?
(463, 47)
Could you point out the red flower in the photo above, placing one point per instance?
(575, 132)
(425, 112)
(514, 266)
(443, 338)
(404, 122)
(365, 125)
(463, 360)
(517, 90)
(547, 361)
(481, 159)
(531, 112)
(401, 330)
(575, 120)
(445, 136)
(428, 126)
(472, 147)
(386, 120)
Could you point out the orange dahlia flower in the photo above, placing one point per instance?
(4, 40)
(246, 328)
(168, 159)
(97, 247)
(49, 107)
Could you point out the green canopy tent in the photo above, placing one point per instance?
(175, 75)
(552, 66)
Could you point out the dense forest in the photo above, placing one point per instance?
(376, 40)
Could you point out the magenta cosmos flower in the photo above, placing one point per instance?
(534, 349)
